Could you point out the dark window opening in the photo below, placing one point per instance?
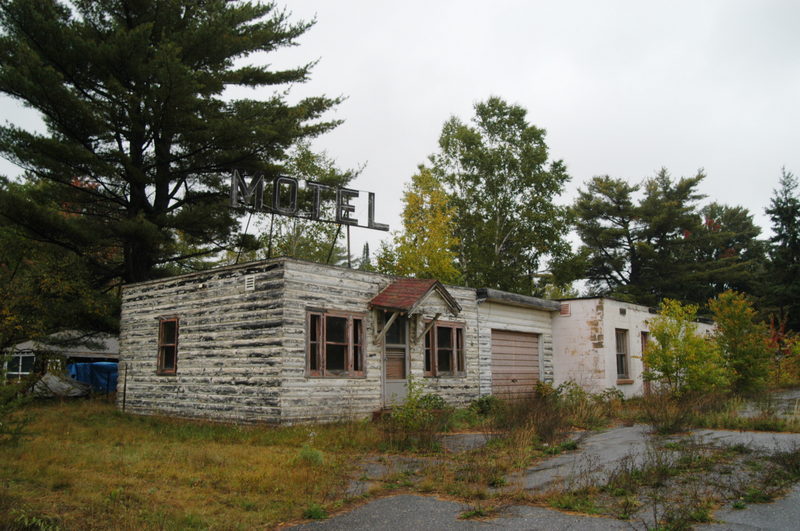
(622, 353)
(444, 350)
(334, 345)
(168, 346)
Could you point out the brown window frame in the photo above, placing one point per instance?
(317, 344)
(624, 354)
(431, 350)
(162, 346)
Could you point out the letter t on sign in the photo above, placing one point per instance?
(343, 206)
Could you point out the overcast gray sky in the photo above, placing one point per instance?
(622, 87)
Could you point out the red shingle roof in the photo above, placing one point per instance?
(405, 293)
(402, 294)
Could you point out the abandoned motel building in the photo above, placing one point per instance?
(289, 341)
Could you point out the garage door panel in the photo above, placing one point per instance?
(515, 362)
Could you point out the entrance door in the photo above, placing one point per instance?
(395, 362)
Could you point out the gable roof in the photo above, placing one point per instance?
(405, 294)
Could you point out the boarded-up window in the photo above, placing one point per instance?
(622, 353)
(444, 350)
(167, 345)
(334, 345)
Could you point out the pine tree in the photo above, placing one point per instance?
(783, 292)
(141, 134)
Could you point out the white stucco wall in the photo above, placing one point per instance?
(584, 344)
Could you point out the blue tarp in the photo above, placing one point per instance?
(101, 375)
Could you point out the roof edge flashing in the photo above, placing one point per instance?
(515, 299)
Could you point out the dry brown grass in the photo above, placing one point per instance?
(87, 466)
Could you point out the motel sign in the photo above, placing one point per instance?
(283, 200)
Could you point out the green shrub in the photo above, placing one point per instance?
(679, 360)
(310, 456)
(486, 405)
(415, 424)
(315, 512)
(12, 421)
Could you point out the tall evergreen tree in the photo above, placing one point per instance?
(140, 134)
(728, 253)
(503, 189)
(659, 245)
(783, 292)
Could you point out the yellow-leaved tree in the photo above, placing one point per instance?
(425, 247)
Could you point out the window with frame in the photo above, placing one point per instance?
(167, 345)
(334, 345)
(19, 365)
(622, 353)
(444, 350)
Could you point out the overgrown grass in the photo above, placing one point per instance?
(84, 465)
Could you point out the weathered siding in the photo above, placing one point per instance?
(313, 286)
(230, 342)
(507, 317)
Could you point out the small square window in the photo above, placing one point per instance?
(334, 345)
(444, 350)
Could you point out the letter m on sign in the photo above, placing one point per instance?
(243, 194)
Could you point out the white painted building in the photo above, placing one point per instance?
(598, 344)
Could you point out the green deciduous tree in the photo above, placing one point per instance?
(783, 280)
(140, 133)
(503, 189)
(742, 341)
(678, 358)
(42, 291)
(425, 246)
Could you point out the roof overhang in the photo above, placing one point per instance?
(406, 294)
(515, 299)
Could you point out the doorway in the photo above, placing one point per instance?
(395, 362)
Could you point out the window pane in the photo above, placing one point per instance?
(336, 330)
(459, 350)
(312, 356)
(169, 331)
(444, 337)
(335, 357)
(13, 364)
(397, 332)
(168, 358)
(428, 367)
(27, 363)
(313, 334)
(443, 360)
(357, 358)
(357, 334)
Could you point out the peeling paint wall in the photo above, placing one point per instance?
(230, 344)
(242, 344)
